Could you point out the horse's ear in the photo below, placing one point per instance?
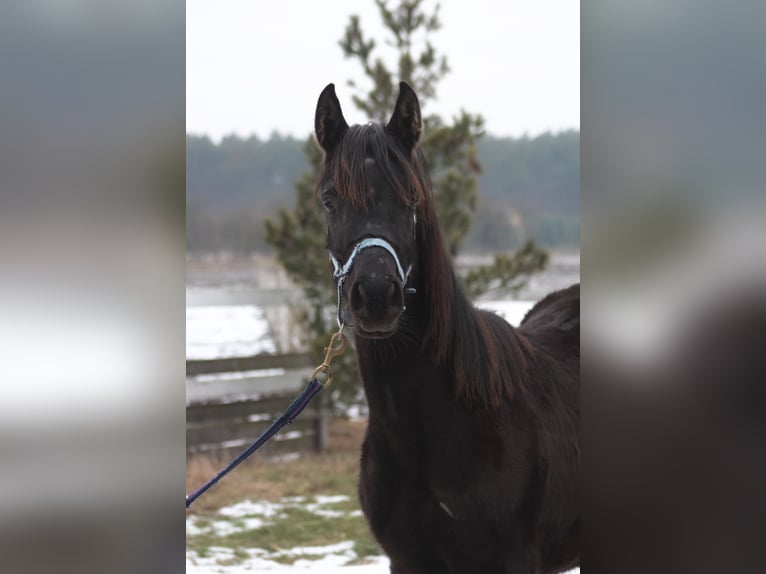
(329, 123)
(405, 122)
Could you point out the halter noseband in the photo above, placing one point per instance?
(342, 271)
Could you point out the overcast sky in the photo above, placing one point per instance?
(258, 67)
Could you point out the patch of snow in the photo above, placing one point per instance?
(340, 547)
(291, 435)
(225, 527)
(249, 508)
(250, 515)
(335, 499)
(275, 509)
(258, 418)
(287, 457)
(218, 331)
(357, 412)
(216, 559)
(234, 443)
(192, 529)
(207, 378)
(511, 311)
(196, 526)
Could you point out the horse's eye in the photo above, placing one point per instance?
(329, 204)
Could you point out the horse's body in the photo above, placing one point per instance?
(469, 463)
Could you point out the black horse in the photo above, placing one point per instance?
(469, 463)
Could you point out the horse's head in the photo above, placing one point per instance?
(371, 186)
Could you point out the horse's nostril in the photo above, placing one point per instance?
(375, 296)
(359, 296)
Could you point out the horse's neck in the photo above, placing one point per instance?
(394, 372)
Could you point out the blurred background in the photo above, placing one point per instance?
(91, 286)
(673, 242)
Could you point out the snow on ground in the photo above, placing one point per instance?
(227, 331)
(249, 515)
(333, 560)
(330, 564)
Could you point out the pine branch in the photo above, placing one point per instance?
(508, 274)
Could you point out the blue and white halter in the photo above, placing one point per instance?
(342, 271)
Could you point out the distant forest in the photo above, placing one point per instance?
(530, 188)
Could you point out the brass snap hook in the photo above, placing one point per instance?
(336, 347)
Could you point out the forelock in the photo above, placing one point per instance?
(363, 146)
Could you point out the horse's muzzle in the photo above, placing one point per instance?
(376, 297)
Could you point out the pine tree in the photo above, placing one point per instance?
(451, 154)
(450, 150)
(298, 236)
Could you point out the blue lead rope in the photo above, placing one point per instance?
(296, 407)
(314, 387)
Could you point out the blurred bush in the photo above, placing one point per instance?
(91, 286)
(673, 243)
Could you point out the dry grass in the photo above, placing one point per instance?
(335, 471)
(332, 473)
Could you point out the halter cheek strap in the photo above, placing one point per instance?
(342, 271)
